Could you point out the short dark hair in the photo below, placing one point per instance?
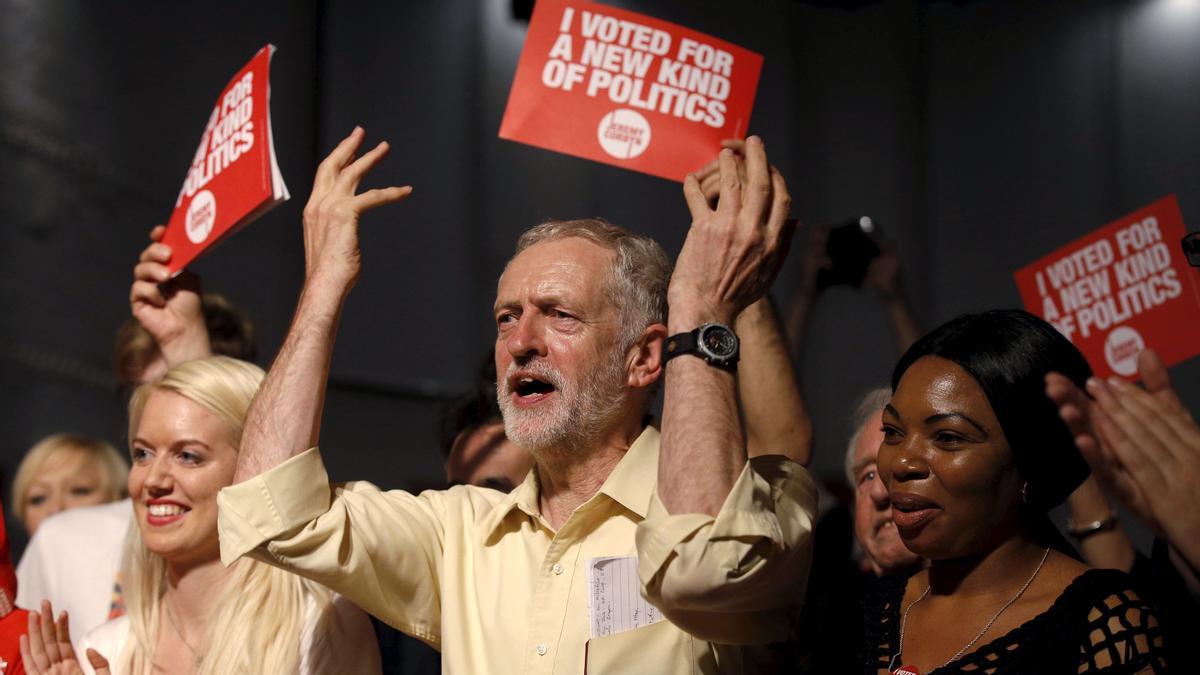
(477, 408)
(1009, 353)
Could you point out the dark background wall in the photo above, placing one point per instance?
(981, 134)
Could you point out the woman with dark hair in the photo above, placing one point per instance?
(973, 456)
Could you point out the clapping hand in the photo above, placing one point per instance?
(1144, 447)
(46, 649)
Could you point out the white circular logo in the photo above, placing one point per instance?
(1121, 349)
(201, 215)
(624, 133)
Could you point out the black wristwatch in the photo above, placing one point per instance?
(716, 343)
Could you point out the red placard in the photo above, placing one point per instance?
(627, 89)
(1124, 287)
(233, 177)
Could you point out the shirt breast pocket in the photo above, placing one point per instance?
(657, 649)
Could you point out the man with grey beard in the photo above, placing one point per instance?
(883, 551)
(623, 551)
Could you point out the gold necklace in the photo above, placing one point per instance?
(904, 618)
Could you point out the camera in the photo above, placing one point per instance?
(1191, 248)
(851, 247)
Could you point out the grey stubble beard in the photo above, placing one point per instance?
(584, 411)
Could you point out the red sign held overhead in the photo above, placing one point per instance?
(1120, 289)
(627, 89)
(233, 178)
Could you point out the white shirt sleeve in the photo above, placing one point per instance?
(33, 581)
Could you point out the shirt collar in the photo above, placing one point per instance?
(631, 484)
(632, 481)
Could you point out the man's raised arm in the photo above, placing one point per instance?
(285, 418)
(728, 261)
(724, 551)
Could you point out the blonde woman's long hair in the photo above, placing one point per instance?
(259, 615)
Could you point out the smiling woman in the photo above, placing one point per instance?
(973, 456)
(186, 612)
(64, 471)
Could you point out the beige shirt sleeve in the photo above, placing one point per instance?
(739, 577)
(381, 550)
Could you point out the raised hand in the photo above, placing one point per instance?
(733, 252)
(1143, 445)
(709, 176)
(169, 309)
(285, 418)
(46, 648)
(331, 216)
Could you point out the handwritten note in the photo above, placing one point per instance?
(615, 602)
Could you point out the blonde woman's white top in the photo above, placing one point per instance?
(345, 645)
(72, 561)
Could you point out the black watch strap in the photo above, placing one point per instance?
(681, 343)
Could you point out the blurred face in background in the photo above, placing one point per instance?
(873, 526)
(67, 479)
(484, 456)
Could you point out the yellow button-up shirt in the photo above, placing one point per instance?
(481, 576)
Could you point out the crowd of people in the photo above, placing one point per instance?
(578, 532)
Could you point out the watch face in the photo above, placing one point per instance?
(719, 340)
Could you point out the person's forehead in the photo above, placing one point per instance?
(64, 463)
(937, 378)
(935, 385)
(568, 265)
(866, 448)
(168, 414)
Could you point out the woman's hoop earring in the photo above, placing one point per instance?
(1025, 499)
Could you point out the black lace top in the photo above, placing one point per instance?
(1097, 625)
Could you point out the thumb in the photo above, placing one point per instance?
(99, 663)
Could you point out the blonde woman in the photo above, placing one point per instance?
(64, 471)
(188, 613)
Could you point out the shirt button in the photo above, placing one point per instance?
(542, 649)
(558, 568)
